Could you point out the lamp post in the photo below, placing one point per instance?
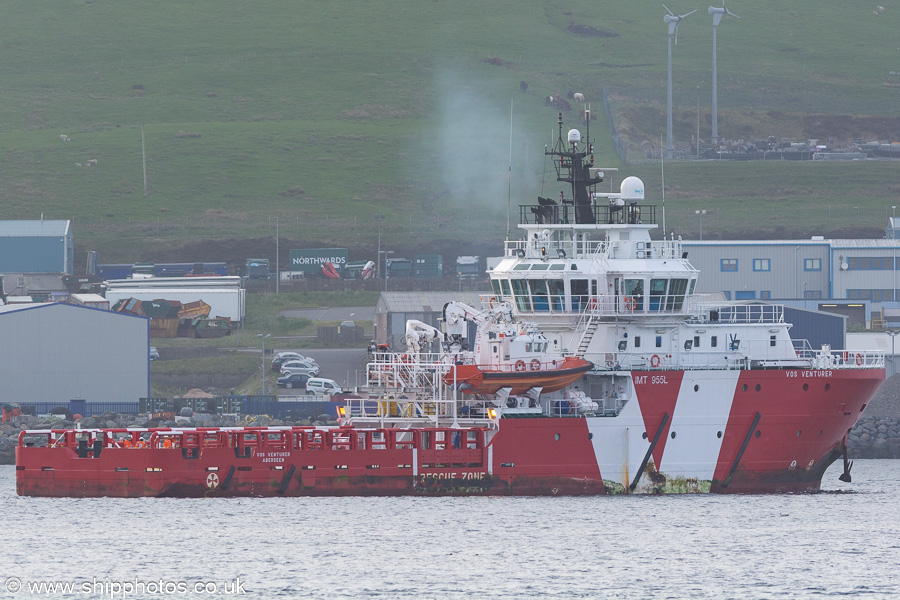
(385, 252)
(700, 213)
(263, 361)
(277, 269)
(893, 335)
(378, 219)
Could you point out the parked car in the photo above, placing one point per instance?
(300, 366)
(319, 386)
(283, 357)
(154, 353)
(294, 380)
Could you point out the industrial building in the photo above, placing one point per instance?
(224, 295)
(395, 308)
(857, 278)
(36, 247)
(57, 352)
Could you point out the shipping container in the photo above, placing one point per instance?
(468, 266)
(429, 266)
(399, 267)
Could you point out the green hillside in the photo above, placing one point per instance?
(322, 114)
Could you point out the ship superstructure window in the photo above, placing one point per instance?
(495, 285)
(539, 295)
(637, 341)
(728, 264)
(520, 294)
(557, 290)
(762, 264)
(658, 294)
(677, 289)
(713, 341)
(812, 264)
(579, 292)
(634, 295)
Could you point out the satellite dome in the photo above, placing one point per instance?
(574, 136)
(632, 188)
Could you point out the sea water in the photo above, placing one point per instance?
(844, 541)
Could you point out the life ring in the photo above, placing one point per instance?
(592, 303)
(492, 300)
(859, 359)
(630, 303)
(654, 360)
(535, 364)
(520, 365)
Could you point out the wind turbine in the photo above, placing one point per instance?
(717, 14)
(673, 22)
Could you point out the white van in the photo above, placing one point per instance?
(319, 386)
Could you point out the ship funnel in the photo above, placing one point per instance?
(632, 188)
(574, 136)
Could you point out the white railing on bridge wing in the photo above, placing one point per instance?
(740, 313)
(567, 248)
(599, 306)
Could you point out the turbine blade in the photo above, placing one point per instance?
(676, 33)
(686, 14)
(667, 10)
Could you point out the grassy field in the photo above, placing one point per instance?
(320, 115)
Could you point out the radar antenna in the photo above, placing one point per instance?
(573, 165)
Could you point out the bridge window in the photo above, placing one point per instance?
(675, 299)
(579, 291)
(557, 290)
(657, 294)
(521, 295)
(539, 292)
(634, 291)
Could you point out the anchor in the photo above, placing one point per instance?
(848, 464)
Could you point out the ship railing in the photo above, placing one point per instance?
(589, 307)
(405, 386)
(694, 360)
(738, 313)
(550, 212)
(552, 247)
(661, 361)
(843, 359)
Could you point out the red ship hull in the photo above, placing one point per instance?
(781, 431)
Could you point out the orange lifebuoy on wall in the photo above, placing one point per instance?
(630, 303)
(492, 300)
(535, 364)
(859, 359)
(520, 365)
(592, 303)
(654, 360)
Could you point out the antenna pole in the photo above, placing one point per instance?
(662, 169)
(509, 174)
